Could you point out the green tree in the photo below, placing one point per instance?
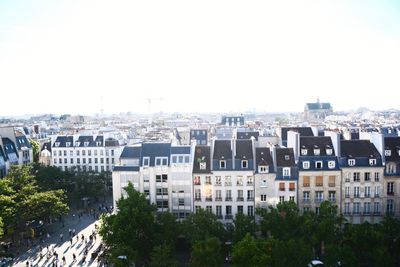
(201, 225)
(243, 225)
(167, 229)
(161, 256)
(250, 252)
(36, 150)
(206, 252)
(1, 227)
(130, 232)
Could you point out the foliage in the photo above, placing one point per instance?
(250, 252)
(161, 256)
(1, 227)
(36, 150)
(206, 252)
(243, 225)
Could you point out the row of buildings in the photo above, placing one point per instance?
(231, 176)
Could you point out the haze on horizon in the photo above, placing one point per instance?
(78, 57)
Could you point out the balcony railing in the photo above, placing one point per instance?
(197, 199)
(218, 199)
(332, 199)
(239, 199)
(250, 199)
(319, 200)
(356, 195)
(331, 184)
(306, 200)
(228, 216)
(208, 198)
(228, 199)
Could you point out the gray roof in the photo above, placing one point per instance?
(131, 152)
(263, 156)
(180, 149)
(303, 131)
(316, 142)
(202, 154)
(285, 157)
(392, 144)
(244, 149)
(358, 149)
(126, 168)
(222, 149)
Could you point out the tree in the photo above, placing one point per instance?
(161, 256)
(206, 252)
(249, 252)
(167, 229)
(243, 225)
(36, 150)
(1, 227)
(130, 232)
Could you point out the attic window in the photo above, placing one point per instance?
(352, 162)
(68, 144)
(329, 151)
(244, 164)
(86, 143)
(304, 152)
(287, 157)
(306, 164)
(316, 151)
(98, 143)
(388, 152)
(372, 162)
(222, 164)
(318, 164)
(77, 143)
(57, 144)
(202, 165)
(263, 169)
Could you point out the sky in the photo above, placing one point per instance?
(80, 57)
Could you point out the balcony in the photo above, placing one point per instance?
(377, 195)
(306, 200)
(250, 183)
(377, 213)
(228, 217)
(239, 199)
(218, 199)
(228, 199)
(319, 200)
(250, 199)
(332, 199)
(228, 183)
(197, 199)
(366, 213)
(367, 195)
(356, 195)
(219, 216)
(331, 184)
(390, 193)
(208, 198)
(347, 196)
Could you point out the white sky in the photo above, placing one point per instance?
(226, 56)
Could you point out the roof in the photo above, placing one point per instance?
(284, 157)
(222, 149)
(180, 149)
(47, 146)
(202, 154)
(318, 105)
(84, 139)
(303, 131)
(22, 142)
(244, 149)
(358, 149)
(62, 140)
(247, 135)
(126, 168)
(131, 152)
(111, 142)
(263, 156)
(392, 144)
(316, 142)
(156, 149)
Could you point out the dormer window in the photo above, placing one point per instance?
(98, 143)
(146, 161)
(329, 151)
(351, 162)
(372, 162)
(316, 151)
(86, 143)
(318, 165)
(306, 165)
(287, 157)
(263, 169)
(331, 164)
(202, 165)
(57, 144)
(244, 164)
(388, 152)
(68, 144)
(304, 152)
(286, 171)
(77, 143)
(222, 164)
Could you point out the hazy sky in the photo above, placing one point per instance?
(226, 56)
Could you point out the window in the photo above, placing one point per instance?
(165, 162)
(102, 161)
(367, 208)
(209, 209)
(347, 191)
(71, 161)
(95, 160)
(146, 161)
(388, 152)
(367, 176)
(287, 157)
(85, 143)
(250, 211)
(249, 180)
(78, 161)
(391, 168)
(390, 206)
(331, 182)
(356, 176)
(240, 195)
(218, 210)
(196, 180)
(372, 162)
(228, 181)
(218, 195)
(228, 195)
(346, 208)
(84, 160)
(286, 171)
(217, 180)
(306, 196)
(112, 152)
(292, 187)
(291, 198)
(77, 152)
(263, 197)
(239, 180)
(59, 153)
(304, 152)
(90, 160)
(158, 162)
(367, 191)
(71, 153)
(376, 177)
(228, 211)
(329, 151)
(202, 165)
(356, 191)
(306, 181)
(250, 195)
(208, 180)
(158, 178)
(65, 161)
(377, 208)
(222, 164)
(351, 162)
(316, 152)
(306, 165)
(208, 194)
(390, 188)
(281, 199)
(356, 208)
(65, 153)
(332, 196)
(186, 159)
(318, 164)
(89, 152)
(55, 161)
(377, 191)
(319, 196)
(197, 208)
(317, 209)
(306, 209)
(240, 209)
(331, 164)
(263, 183)
(83, 152)
(180, 159)
(263, 169)
(57, 144)
(281, 186)
(197, 195)
(319, 181)
(244, 164)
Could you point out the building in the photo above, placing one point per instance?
(161, 171)
(392, 175)
(317, 112)
(85, 152)
(200, 135)
(362, 181)
(232, 120)
(319, 173)
(264, 179)
(45, 154)
(285, 184)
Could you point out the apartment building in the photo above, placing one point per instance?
(285, 184)
(392, 175)
(362, 182)
(264, 178)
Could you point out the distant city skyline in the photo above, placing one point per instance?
(74, 57)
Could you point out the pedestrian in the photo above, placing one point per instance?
(63, 260)
(27, 263)
(73, 257)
